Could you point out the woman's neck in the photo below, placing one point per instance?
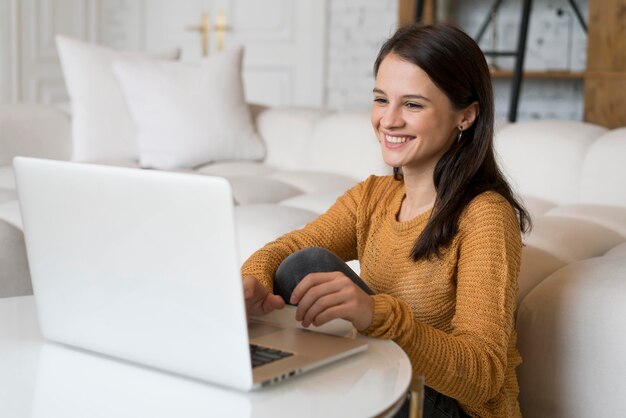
(420, 194)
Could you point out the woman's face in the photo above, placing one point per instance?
(413, 119)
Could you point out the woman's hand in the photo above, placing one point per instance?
(259, 301)
(322, 297)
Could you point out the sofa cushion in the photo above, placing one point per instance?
(321, 140)
(537, 264)
(260, 183)
(314, 181)
(570, 337)
(235, 168)
(570, 239)
(287, 133)
(7, 184)
(266, 184)
(32, 130)
(315, 202)
(537, 206)
(14, 269)
(7, 177)
(248, 190)
(618, 251)
(94, 94)
(611, 217)
(188, 114)
(345, 143)
(261, 223)
(7, 195)
(10, 213)
(604, 170)
(554, 149)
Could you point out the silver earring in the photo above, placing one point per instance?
(458, 139)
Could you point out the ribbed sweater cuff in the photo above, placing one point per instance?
(382, 309)
(262, 277)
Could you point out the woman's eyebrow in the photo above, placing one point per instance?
(406, 96)
(416, 96)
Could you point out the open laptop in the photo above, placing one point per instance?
(142, 265)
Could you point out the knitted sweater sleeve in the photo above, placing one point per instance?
(469, 363)
(334, 230)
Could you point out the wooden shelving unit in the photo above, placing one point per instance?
(605, 78)
(550, 75)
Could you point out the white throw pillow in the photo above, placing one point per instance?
(101, 125)
(188, 114)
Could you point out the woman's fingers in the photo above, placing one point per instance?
(259, 301)
(329, 314)
(249, 283)
(309, 281)
(273, 302)
(313, 287)
(322, 297)
(321, 305)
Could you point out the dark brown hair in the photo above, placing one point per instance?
(457, 66)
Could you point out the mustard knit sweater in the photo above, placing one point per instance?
(454, 315)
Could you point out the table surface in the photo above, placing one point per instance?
(43, 379)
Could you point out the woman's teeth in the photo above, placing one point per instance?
(397, 139)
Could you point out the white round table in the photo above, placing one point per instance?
(42, 379)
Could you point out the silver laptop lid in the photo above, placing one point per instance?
(137, 264)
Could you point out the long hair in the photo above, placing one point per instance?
(457, 66)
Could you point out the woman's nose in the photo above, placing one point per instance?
(391, 118)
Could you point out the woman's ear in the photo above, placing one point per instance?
(469, 115)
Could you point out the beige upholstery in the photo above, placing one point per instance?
(604, 171)
(544, 159)
(14, 273)
(34, 131)
(572, 342)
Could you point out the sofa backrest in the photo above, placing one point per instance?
(544, 159)
(287, 134)
(604, 170)
(339, 142)
(345, 143)
(548, 162)
(34, 131)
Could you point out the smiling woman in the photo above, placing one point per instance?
(415, 122)
(443, 88)
(439, 243)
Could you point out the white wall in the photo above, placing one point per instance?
(8, 53)
(284, 40)
(356, 31)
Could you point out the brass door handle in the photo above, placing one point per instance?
(205, 25)
(221, 27)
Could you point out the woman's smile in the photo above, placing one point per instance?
(398, 139)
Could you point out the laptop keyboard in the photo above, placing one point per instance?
(264, 355)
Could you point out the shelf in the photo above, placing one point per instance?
(562, 75)
(607, 75)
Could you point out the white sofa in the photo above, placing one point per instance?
(570, 174)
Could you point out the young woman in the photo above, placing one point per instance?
(439, 243)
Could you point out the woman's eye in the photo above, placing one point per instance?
(380, 100)
(412, 105)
